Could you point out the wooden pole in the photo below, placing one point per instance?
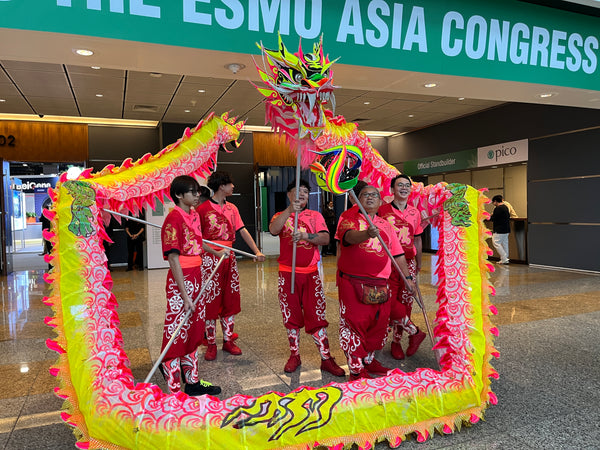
(294, 245)
(417, 297)
(183, 321)
(241, 252)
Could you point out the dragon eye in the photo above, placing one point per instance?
(280, 78)
(297, 77)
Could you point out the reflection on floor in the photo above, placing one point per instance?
(548, 390)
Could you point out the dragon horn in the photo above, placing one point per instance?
(317, 167)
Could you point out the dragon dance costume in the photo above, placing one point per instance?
(181, 234)
(408, 224)
(222, 296)
(106, 406)
(306, 307)
(363, 327)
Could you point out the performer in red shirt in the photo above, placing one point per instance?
(182, 246)
(363, 270)
(407, 221)
(306, 307)
(220, 222)
(351, 210)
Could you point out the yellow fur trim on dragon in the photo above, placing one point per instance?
(108, 409)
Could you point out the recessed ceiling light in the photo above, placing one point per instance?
(460, 99)
(186, 110)
(367, 103)
(2, 100)
(155, 74)
(411, 115)
(99, 95)
(547, 94)
(430, 85)
(96, 67)
(83, 52)
(202, 91)
(24, 165)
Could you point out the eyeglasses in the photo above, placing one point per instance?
(370, 194)
(194, 191)
(403, 185)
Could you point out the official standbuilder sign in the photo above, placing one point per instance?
(491, 155)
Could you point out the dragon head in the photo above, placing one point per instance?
(298, 85)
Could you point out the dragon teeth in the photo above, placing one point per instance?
(311, 100)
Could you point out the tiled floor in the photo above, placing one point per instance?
(548, 391)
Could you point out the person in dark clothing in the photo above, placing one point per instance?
(46, 226)
(501, 228)
(331, 222)
(108, 244)
(135, 244)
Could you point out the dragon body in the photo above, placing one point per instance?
(107, 409)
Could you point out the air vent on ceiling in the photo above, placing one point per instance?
(145, 108)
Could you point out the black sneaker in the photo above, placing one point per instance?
(201, 388)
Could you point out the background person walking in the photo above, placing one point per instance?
(501, 228)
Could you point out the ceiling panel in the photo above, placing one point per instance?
(404, 96)
(60, 89)
(96, 84)
(32, 66)
(130, 113)
(47, 104)
(468, 101)
(96, 71)
(254, 117)
(192, 90)
(424, 119)
(206, 81)
(152, 98)
(38, 84)
(152, 82)
(9, 90)
(100, 109)
(198, 100)
(400, 106)
(181, 117)
(4, 77)
(359, 103)
(14, 105)
(448, 108)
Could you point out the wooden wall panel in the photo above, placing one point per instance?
(43, 141)
(271, 149)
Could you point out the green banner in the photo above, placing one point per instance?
(502, 39)
(449, 162)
